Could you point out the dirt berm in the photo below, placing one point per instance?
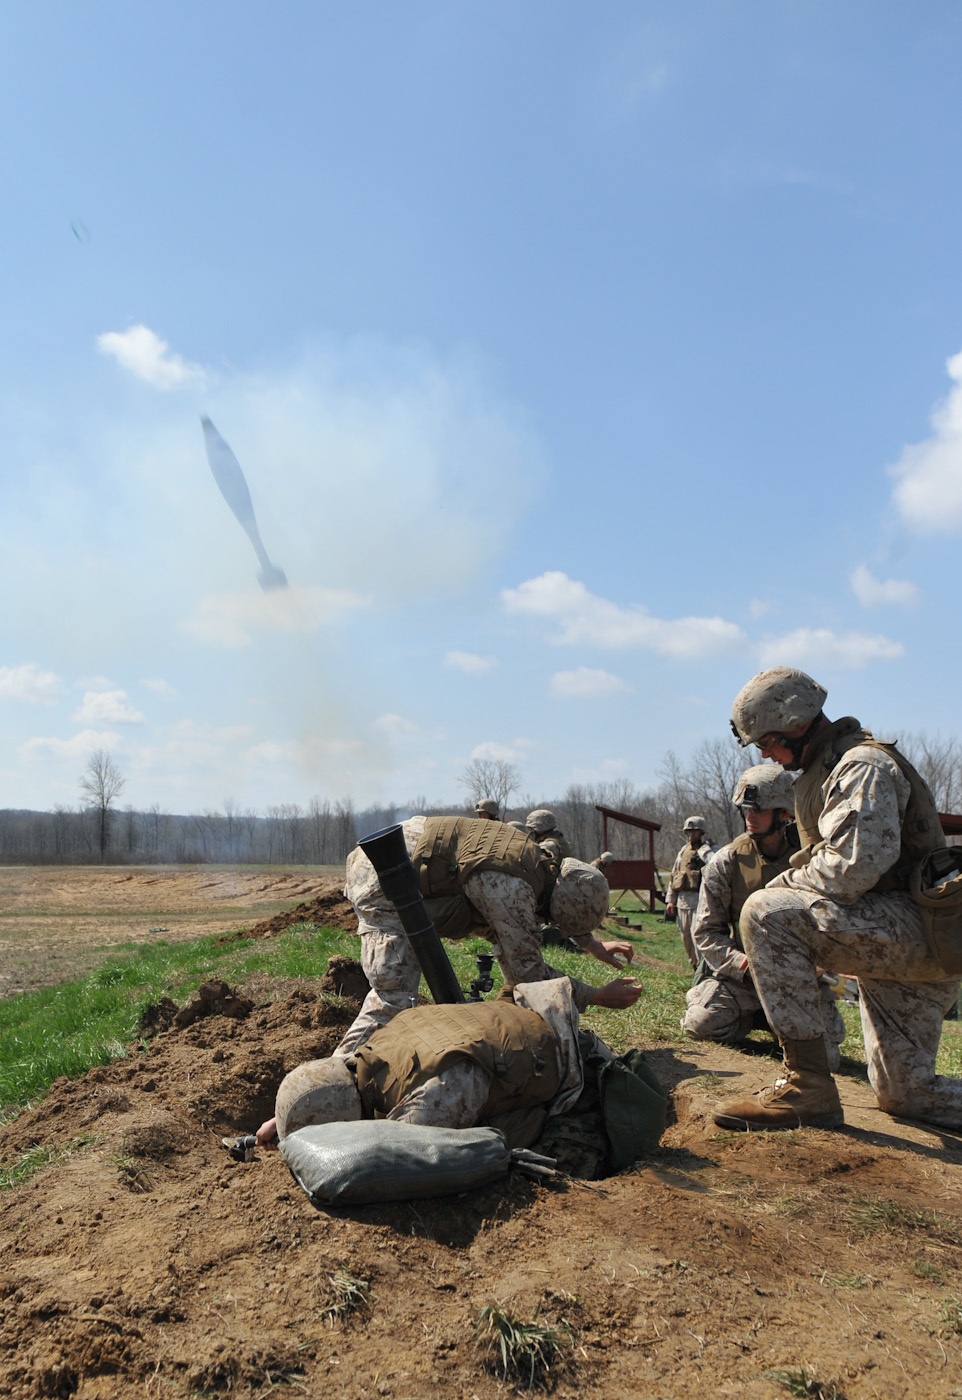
(142, 1261)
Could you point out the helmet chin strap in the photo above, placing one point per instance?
(799, 744)
(777, 828)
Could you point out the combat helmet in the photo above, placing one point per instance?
(487, 807)
(579, 900)
(766, 787)
(540, 821)
(695, 824)
(775, 702)
(318, 1091)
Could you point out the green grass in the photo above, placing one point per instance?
(66, 1029)
(517, 1350)
(29, 1163)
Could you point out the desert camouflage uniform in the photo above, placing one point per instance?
(686, 901)
(724, 1005)
(824, 914)
(508, 918)
(456, 1096)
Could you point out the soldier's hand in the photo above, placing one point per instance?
(612, 951)
(617, 995)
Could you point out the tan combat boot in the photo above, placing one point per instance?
(804, 1096)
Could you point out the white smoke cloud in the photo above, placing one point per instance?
(929, 491)
(470, 662)
(232, 619)
(30, 684)
(812, 648)
(875, 592)
(586, 683)
(107, 707)
(142, 351)
(587, 620)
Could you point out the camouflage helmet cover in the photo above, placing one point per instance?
(766, 787)
(519, 826)
(776, 701)
(579, 900)
(695, 824)
(318, 1091)
(540, 820)
(487, 805)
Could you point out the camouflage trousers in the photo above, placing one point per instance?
(903, 993)
(724, 1009)
(686, 902)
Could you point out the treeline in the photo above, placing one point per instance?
(323, 832)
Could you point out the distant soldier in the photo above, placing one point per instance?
(600, 862)
(722, 1002)
(488, 810)
(685, 880)
(542, 825)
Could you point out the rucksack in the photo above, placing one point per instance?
(935, 884)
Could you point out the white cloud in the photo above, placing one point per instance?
(814, 647)
(160, 687)
(143, 352)
(189, 746)
(872, 592)
(30, 684)
(79, 747)
(394, 724)
(587, 620)
(231, 619)
(759, 607)
(507, 753)
(107, 707)
(469, 662)
(929, 491)
(587, 683)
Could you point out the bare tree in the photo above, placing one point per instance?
(940, 763)
(101, 784)
(490, 777)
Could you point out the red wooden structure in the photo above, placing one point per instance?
(951, 824)
(635, 877)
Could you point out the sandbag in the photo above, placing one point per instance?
(635, 1108)
(618, 1118)
(367, 1162)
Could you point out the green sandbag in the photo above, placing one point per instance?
(635, 1108)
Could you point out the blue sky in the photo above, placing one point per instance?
(581, 360)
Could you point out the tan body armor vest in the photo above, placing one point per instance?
(513, 1045)
(751, 871)
(921, 829)
(690, 866)
(451, 849)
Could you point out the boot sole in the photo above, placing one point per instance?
(749, 1125)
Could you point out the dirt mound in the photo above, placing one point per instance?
(142, 1260)
(330, 909)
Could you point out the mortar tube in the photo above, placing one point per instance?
(387, 852)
